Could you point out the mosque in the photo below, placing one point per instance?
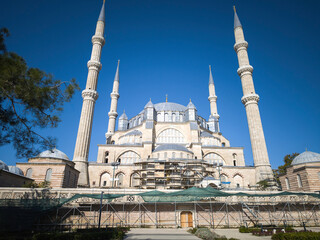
(165, 146)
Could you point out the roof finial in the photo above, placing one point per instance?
(190, 99)
(234, 9)
(166, 97)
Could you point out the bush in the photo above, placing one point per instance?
(192, 230)
(297, 236)
(206, 234)
(244, 229)
(85, 234)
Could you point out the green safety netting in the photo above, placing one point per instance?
(187, 195)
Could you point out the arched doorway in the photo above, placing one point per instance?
(186, 219)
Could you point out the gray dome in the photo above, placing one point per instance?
(123, 116)
(149, 104)
(54, 153)
(191, 105)
(206, 134)
(169, 106)
(15, 170)
(306, 157)
(134, 132)
(3, 166)
(171, 147)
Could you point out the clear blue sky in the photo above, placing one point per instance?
(165, 47)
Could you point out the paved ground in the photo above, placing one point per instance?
(234, 233)
(159, 234)
(173, 233)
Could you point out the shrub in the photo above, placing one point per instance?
(297, 236)
(206, 234)
(192, 230)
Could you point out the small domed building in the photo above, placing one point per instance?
(52, 166)
(303, 174)
(12, 176)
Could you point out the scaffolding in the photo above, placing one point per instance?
(172, 173)
(205, 206)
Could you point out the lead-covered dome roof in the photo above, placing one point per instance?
(53, 153)
(171, 147)
(3, 166)
(169, 106)
(15, 170)
(306, 157)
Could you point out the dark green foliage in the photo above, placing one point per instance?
(44, 184)
(85, 234)
(192, 230)
(283, 168)
(297, 236)
(30, 100)
(244, 229)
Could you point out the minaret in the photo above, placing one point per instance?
(214, 116)
(89, 96)
(250, 100)
(113, 106)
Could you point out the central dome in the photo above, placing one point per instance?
(169, 106)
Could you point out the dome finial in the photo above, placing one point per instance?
(166, 97)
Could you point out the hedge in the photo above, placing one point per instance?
(297, 236)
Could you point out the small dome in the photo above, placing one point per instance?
(306, 157)
(15, 170)
(213, 118)
(169, 106)
(191, 105)
(134, 133)
(169, 147)
(204, 134)
(149, 104)
(3, 166)
(54, 153)
(123, 116)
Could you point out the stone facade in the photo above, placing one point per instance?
(303, 177)
(59, 172)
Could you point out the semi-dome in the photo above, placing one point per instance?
(15, 170)
(3, 166)
(306, 157)
(171, 147)
(134, 133)
(53, 153)
(169, 106)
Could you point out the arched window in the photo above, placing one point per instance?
(165, 155)
(237, 179)
(105, 180)
(174, 117)
(234, 162)
(170, 135)
(223, 144)
(224, 178)
(119, 180)
(48, 175)
(173, 155)
(135, 181)
(214, 158)
(319, 175)
(166, 117)
(106, 159)
(299, 181)
(129, 157)
(29, 173)
(287, 183)
(181, 155)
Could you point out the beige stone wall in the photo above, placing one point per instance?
(63, 172)
(309, 174)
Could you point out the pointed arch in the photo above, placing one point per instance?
(214, 158)
(170, 135)
(128, 157)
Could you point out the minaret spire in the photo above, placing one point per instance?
(89, 95)
(113, 106)
(250, 100)
(214, 116)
